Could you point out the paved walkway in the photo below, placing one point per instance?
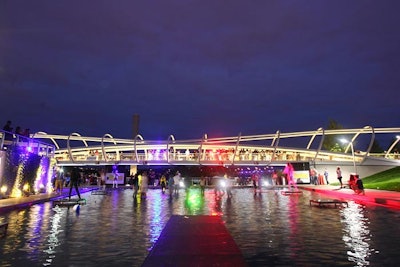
(384, 198)
(195, 241)
(8, 204)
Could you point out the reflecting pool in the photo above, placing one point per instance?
(270, 228)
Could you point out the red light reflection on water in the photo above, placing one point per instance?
(214, 202)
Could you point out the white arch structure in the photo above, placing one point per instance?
(103, 151)
(392, 146)
(138, 150)
(171, 139)
(320, 143)
(69, 147)
(52, 139)
(138, 136)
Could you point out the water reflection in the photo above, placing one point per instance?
(52, 239)
(36, 222)
(271, 230)
(156, 224)
(194, 201)
(356, 234)
(295, 243)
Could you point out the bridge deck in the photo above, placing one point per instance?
(195, 241)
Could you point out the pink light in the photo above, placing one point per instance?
(29, 149)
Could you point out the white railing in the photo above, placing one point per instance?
(259, 149)
(31, 145)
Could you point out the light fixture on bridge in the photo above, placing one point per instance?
(345, 141)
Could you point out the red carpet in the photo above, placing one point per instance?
(195, 241)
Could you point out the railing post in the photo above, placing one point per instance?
(236, 147)
(170, 138)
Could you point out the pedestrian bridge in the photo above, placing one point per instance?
(265, 149)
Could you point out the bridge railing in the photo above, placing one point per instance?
(218, 155)
(265, 148)
(8, 140)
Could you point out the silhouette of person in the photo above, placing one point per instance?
(75, 176)
(135, 185)
(7, 127)
(144, 184)
(18, 130)
(171, 186)
(360, 186)
(202, 184)
(26, 132)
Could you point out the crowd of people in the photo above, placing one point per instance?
(171, 181)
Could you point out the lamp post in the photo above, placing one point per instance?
(345, 141)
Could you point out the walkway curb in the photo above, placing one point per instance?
(382, 198)
(9, 204)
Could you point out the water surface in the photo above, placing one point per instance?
(271, 229)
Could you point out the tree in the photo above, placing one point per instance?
(376, 148)
(329, 141)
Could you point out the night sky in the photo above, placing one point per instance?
(190, 67)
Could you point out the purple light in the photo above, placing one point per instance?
(29, 149)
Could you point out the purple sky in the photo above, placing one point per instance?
(190, 67)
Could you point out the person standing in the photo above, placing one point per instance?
(289, 170)
(170, 184)
(177, 180)
(18, 130)
(359, 186)
(339, 176)
(58, 188)
(7, 127)
(326, 176)
(115, 181)
(144, 184)
(116, 175)
(67, 178)
(254, 178)
(163, 183)
(274, 178)
(202, 184)
(75, 177)
(26, 133)
(135, 184)
(228, 186)
(314, 176)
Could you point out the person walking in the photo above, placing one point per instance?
(75, 177)
(135, 184)
(170, 184)
(339, 176)
(289, 170)
(58, 188)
